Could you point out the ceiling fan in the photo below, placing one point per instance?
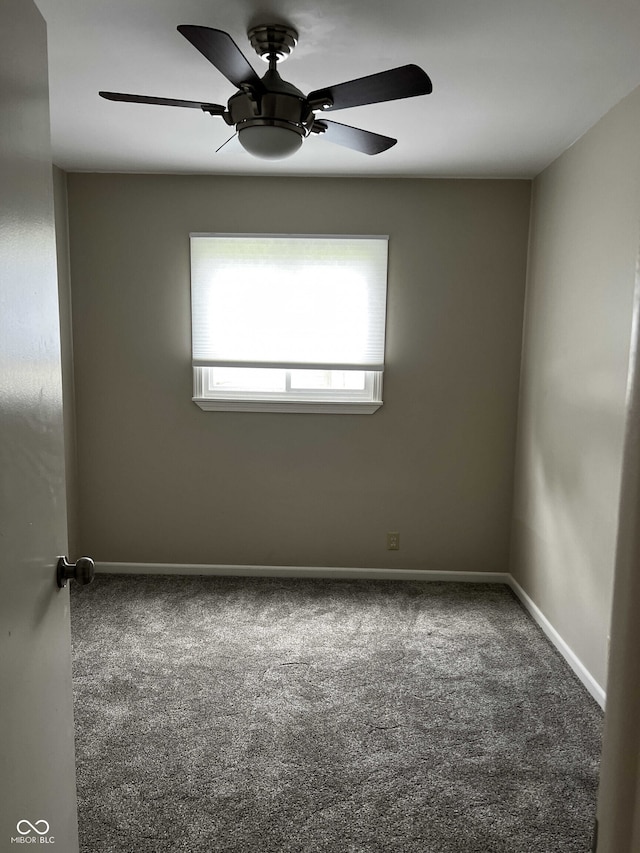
(273, 117)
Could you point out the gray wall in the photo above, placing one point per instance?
(584, 242)
(162, 481)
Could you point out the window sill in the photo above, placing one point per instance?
(316, 407)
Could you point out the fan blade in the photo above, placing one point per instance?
(352, 137)
(213, 109)
(404, 82)
(221, 50)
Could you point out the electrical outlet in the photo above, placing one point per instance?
(393, 541)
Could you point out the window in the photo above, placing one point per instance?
(288, 323)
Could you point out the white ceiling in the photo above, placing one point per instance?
(515, 81)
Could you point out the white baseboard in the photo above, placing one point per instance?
(299, 572)
(537, 615)
(571, 658)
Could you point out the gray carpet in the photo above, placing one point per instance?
(298, 716)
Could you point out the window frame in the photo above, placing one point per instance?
(318, 401)
(333, 401)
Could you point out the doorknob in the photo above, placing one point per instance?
(82, 571)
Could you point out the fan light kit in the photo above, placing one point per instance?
(272, 117)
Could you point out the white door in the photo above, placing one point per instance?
(37, 773)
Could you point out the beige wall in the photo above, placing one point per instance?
(162, 481)
(584, 238)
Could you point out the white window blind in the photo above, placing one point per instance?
(295, 302)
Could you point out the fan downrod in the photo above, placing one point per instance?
(273, 41)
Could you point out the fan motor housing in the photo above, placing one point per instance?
(281, 105)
